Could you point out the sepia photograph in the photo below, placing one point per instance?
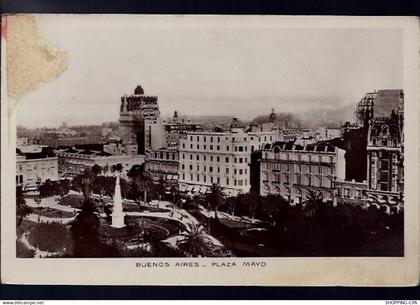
(198, 137)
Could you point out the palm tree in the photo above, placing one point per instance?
(313, 204)
(215, 198)
(140, 180)
(85, 230)
(193, 241)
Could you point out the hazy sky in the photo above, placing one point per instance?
(219, 68)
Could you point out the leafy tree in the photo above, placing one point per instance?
(193, 241)
(96, 170)
(252, 201)
(51, 237)
(47, 189)
(22, 209)
(140, 182)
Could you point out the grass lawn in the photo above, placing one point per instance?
(49, 212)
(73, 200)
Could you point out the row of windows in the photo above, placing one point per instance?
(210, 168)
(236, 182)
(163, 155)
(302, 180)
(217, 158)
(301, 157)
(298, 168)
(218, 138)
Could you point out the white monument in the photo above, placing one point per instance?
(117, 213)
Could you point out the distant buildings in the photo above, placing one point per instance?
(72, 162)
(176, 127)
(293, 171)
(35, 165)
(219, 157)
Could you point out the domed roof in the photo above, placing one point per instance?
(139, 90)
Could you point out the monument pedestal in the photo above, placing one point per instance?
(118, 220)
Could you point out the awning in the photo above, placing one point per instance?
(189, 188)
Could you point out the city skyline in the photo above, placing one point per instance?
(209, 70)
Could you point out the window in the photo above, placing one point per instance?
(240, 171)
(236, 148)
(227, 148)
(218, 180)
(191, 167)
(286, 167)
(246, 171)
(211, 147)
(246, 160)
(234, 171)
(211, 158)
(227, 170)
(205, 139)
(319, 170)
(204, 178)
(198, 157)
(211, 169)
(235, 160)
(198, 146)
(218, 169)
(218, 139)
(205, 168)
(198, 138)
(183, 166)
(252, 148)
(191, 138)
(191, 146)
(183, 145)
(246, 182)
(331, 159)
(218, 147)
(198, 177)
(227, 159)
(198, 167)
(299, 168)
(241, 148)
(211, 179)
(265, 139)
(218, 159)
(234, 182)
(227, 181)
(309, 169)
(205, 146)
(240, 160)
(309, 181)
(191, 176)
(286, 178)
(298, 179)
(183, 176)
(211, 139)
(205, 157)
(320, 158)
(191, 157)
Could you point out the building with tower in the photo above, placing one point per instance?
(140, 121)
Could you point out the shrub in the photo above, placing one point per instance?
(73, 200)
(23, 251)
(51, 237)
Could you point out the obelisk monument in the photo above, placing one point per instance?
(117, 212)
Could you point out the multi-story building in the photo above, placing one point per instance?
(35, 165)
(352, 192)
(140, 122)
(72, 162)
(293, 171)
(219, 157)
(385, 150)
(175, 127)
(163, 166)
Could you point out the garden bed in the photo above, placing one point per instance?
(49, 212)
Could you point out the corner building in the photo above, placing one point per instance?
(293, 171)
(219, 157)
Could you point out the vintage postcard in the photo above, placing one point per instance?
(210, 150)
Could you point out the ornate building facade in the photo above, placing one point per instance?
(293, 171)
(385, 150)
